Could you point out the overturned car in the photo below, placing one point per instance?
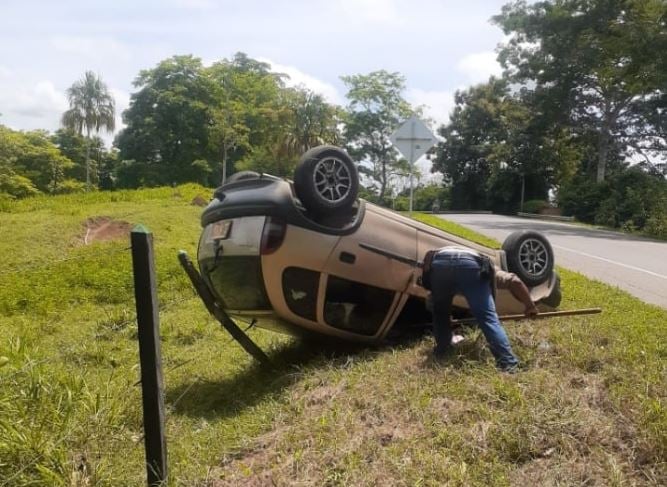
(309, 256)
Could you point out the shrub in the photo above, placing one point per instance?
(656, 225)
(69, 186)
(534, 206)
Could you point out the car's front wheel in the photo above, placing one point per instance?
(529, 256)
(326, 180)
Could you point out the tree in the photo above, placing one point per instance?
(376, 108)
(75, 146)
(30, 163)
(259, 124)
(246, 109)
(167, 125)
(492, 146)
(595, 66)
(92, 108)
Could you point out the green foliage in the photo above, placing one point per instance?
(186, 122)
(71, 186)
(535, 206)
(376, 108)
(70, 406)
(627, 200)
(92, 108)
(424, 198)
(490, 142)
(29, 163)
(14, 185)
(594, 66)
(76, 147)
(167, 124)
(656, 225)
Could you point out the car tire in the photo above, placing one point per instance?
(529, 256)
(326, 180)
(241, 175)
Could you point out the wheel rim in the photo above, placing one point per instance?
(332, 179)
(533, 257)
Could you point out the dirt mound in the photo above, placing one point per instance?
(199, 201)
(105, 229)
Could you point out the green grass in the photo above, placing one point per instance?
(588, 408)
(456, 229)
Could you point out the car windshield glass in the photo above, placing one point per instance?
(238, 282)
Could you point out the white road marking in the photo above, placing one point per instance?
(627, 266)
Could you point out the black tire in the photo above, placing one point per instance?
(241, 175)
(326, 180)
(529, 256)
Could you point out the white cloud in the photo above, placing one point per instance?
(122, 99)
(438, 104)
(374, 11)
(298, 77)
(41, 101)
(91, 47)
(479, 66)
(193, 4)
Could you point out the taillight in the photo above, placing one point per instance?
(272, 235)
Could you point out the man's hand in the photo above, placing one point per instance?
(531, 311)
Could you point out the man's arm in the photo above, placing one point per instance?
(510, 281)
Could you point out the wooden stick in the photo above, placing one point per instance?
(548, 314)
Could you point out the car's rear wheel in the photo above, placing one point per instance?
(326, 180)
(529, 256)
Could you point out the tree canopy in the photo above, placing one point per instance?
(92, 108)
(376, 108)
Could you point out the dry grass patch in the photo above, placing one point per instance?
(398, 418)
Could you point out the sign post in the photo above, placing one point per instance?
(413, 139)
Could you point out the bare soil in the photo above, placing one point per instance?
(105, 229)
(199, 201)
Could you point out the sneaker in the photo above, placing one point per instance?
(510, 369)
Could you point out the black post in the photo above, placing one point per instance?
(148, 320)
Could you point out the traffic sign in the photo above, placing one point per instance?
(413, 139)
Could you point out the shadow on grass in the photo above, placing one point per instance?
(293, 361)
(230, 396)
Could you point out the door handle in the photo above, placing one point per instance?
(347, 257)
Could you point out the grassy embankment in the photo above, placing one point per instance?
(588, 408)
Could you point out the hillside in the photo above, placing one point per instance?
(588, 407)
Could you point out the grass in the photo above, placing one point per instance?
(588, 408)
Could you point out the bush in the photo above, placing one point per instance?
(656, 225)
(631, 199)
(17, 186)
(69, 186)
(534, 206)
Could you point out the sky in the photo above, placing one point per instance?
(439, 46)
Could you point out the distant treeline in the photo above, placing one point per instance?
(578, 119)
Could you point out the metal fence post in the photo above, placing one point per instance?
(152, 387)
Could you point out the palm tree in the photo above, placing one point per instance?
(91, 108)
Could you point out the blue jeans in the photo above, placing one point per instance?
(453, 274)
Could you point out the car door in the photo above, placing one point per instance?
(362, 287)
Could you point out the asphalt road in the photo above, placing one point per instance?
(637, 265)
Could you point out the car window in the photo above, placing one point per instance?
(356, 307)
(238, 282)
(300, 287)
